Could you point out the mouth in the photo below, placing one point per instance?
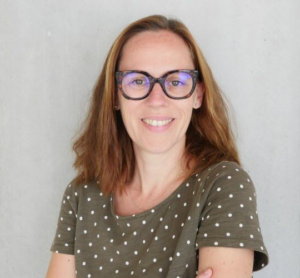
(152, 122)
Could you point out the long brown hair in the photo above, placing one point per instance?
(104, 150)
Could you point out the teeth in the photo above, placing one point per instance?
(156, 123)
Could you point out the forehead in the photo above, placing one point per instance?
(156, 53)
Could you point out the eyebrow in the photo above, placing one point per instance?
(147, 73)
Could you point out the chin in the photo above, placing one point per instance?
(158, 147)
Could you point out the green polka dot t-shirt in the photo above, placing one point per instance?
(216, 207)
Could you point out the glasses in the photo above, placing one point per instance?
(176, 84)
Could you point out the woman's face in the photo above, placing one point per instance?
(157, 53)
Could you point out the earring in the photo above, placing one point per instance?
(195, 105)
(116, 107)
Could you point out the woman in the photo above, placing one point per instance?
(160, 190)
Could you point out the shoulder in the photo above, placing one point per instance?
(75, 192)
(228, 179)
(227, 170)
(227, 166)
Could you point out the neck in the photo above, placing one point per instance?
(154, 173)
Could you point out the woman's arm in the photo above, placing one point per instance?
(227, 262)
(61, 266)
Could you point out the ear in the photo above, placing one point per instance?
(200, 90)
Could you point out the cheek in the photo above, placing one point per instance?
(187, 109)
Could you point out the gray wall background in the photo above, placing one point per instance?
(51, 53)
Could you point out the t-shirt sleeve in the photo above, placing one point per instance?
(229, 217)
(66, 225)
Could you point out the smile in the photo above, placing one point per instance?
(157, 122)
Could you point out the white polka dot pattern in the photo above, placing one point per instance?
(216, 207)
(233, 213)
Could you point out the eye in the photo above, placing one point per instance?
(175, 83)
(138, 82)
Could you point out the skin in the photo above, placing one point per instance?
(61, 265)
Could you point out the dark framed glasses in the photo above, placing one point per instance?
(176, 84)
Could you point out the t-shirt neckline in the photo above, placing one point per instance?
(151, 210)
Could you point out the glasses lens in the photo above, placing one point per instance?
(135, 84)
(179, 84)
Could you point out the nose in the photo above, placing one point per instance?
(157, 97)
